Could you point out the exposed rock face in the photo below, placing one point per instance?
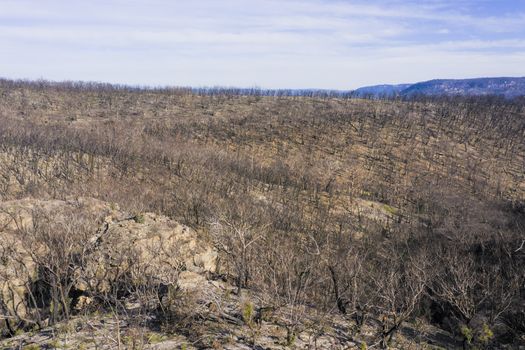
(141, 248)
(152, 246)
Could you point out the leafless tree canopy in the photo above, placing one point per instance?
(380, 210)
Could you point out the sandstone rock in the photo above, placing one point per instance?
(190, 281)
(157, 247)
(206, 261)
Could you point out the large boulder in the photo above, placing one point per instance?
(146, 246)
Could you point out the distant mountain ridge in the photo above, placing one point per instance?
(381, 90)
(508, 87)
(503, 86)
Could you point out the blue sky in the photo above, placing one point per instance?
(267, 43)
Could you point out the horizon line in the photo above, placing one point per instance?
(147, 87)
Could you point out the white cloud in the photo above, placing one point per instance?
(309, 43)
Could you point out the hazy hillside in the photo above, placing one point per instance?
(380, 90)
(508, 87)
(145, 218)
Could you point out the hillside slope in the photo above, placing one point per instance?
(505, 86)
(508, 87)
(347, 219)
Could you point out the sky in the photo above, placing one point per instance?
(325, 44)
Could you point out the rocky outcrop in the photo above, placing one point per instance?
(108, 246)
(149, 246)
